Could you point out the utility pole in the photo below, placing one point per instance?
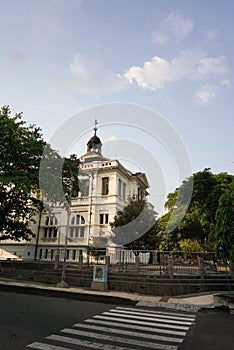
(90, 214)
(63, 283)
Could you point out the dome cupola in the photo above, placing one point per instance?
(94, 144)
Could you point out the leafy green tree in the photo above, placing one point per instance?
(138, 216)
(189, 245)
(168, 239)
(59, 178)
(21, 148)
(23, 174)
(70, 175)
(198, 223)
(225, 225)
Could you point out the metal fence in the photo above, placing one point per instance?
(161, 262)
(155, 262)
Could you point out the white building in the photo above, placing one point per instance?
(105, 188)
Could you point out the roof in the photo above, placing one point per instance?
(94, 140)
(92, 156)
(142, 177)
(4, 255)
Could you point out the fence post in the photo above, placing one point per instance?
(124, 262)
(107, 260)
(201, 267)
(170, 267)
(137, 263)
(155, 260)
(56, 261)
(80, 261)
(232, 268)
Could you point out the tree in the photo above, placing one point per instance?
(225, 225)
(23, 175)
(21, 148)
(135, 227)
(59, 178)
(70, 175)
(198, 223)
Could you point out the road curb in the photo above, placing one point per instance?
(173, 306)
(67, 293)
(109, 297)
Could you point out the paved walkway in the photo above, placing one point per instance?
(188, 303)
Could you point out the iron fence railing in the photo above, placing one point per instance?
(141, 261)
(158, 262)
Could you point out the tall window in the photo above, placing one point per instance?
(120, 188)
(40, 253)
(74, 254)
(77, 227)
(105, 186)
(84, 181)
(50, 227)
(124, 191)
(104, 219)
(138, 193)
(46, 254)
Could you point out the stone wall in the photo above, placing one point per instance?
(136, 283)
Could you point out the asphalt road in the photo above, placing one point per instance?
(51, 323)
(213, 330)
(25, 318)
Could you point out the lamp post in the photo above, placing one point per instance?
(90, 215)
(63, 283)
(56, 259)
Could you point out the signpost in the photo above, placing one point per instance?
(100, 278)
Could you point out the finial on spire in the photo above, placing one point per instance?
(95, 126)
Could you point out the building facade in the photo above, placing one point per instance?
(106, 187)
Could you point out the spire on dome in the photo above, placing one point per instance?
(94, 144)
(95, 126)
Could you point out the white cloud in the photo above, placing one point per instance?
(88, 76)
(189, 64)
(174, 25)
(153, 75)
(179, 25)
(159, 38)
(214, 65)
(205, 94)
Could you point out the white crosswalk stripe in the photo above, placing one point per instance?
(42, 346)
(118, 339)
(158, 319)
(72, 341)
(122, 328)
(134, 326)
(145, 323)
(128, 333)
(158, 314)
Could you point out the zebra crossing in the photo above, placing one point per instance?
(122, 328)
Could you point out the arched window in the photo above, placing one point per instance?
(77, 226)
(50, 230)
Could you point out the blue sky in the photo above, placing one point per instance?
(60, 57)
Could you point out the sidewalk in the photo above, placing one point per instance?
(190, 303)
